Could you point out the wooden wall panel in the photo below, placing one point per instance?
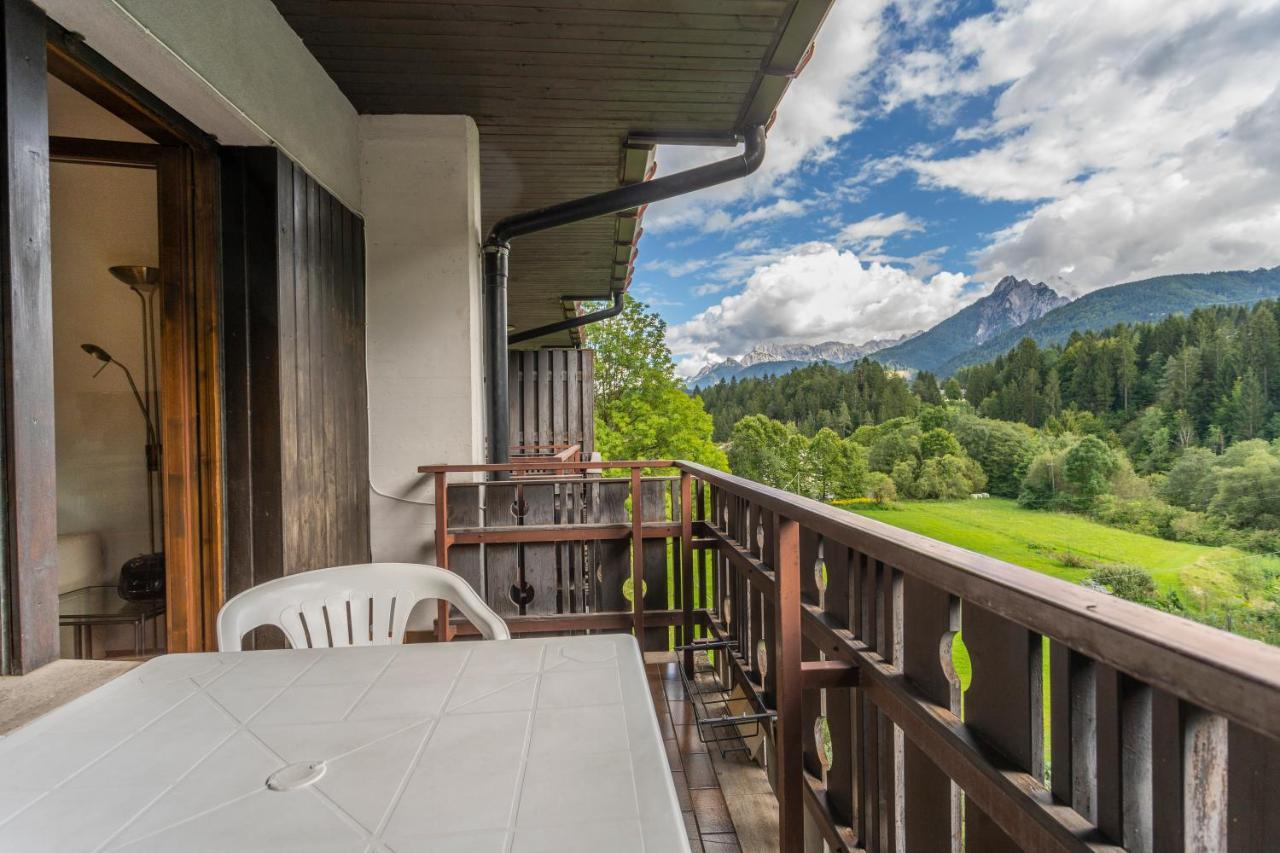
(297, 434)
(552, 397)
(28, 512)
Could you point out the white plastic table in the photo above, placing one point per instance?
(523, 745)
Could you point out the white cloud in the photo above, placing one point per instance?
(711, 288)
(874, 230)
(816, 292)
(820, 107)
(783, 207)
(678, 269)
(1145, 132)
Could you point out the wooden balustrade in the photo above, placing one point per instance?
(1161, 734)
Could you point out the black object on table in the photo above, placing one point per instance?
(82, 609)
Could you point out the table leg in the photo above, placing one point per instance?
(87, 653)
(77, 641)
(137, 636)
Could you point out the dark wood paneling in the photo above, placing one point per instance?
(552, 397)
(28, 525)
(297, 461)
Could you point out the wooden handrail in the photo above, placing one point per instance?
(1230, 675)
(545, 464)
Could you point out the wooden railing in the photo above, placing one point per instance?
(1143, 731)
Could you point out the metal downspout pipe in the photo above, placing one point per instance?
(497, 249)
(571, 322)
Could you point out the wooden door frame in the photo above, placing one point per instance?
(189, 364)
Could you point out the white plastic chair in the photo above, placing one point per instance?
(360, 605)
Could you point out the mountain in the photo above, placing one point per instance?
(776, 359)
(1013, 303)
(1136, 301)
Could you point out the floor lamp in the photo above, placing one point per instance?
(143, 281)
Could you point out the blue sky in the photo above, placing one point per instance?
(931, 147)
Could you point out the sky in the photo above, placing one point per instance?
(931, 147)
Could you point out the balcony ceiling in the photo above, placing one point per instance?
(557, 87)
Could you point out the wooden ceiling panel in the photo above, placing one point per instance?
(556, 87)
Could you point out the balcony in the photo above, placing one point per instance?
(1085, 722)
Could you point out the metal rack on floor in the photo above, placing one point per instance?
(718, 726)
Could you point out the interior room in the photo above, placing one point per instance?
(105, 251)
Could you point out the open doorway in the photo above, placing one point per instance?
(105, 251)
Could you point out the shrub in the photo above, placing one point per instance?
(1128, 582)
(880, 488)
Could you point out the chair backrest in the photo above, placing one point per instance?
(360, 605)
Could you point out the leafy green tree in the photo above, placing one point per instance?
(1248, 495)
(952, 390)
(1088, 468)
(891, 448)
(1044, 485)
(1004, 450)
(934, 417)
(1191, 480)
(881, 488)
(837, 468)
(948, 477)
(767, 451)
(904, 477)
(642, 411)
(939, 442)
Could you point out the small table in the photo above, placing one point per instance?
(81, 609)
(516, 745)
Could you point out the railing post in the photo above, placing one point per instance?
(637, 557)
(686, 567)
(443, 632)
(787, 654)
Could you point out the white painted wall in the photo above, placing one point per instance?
(421, 190)
(236, 69)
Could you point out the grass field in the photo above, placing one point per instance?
(1051, 542)
(1059, 544)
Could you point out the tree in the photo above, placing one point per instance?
(836, 468)
(892, 447)
(1044, 485)
(951, 388)
(768, 451)
(642, 411)
(939, 442)
(1126, 365)
(880, 488)
(1248, 495)
(1186, 484)
(947, 478)
(1261, 347)
(1004, 450)
(926, 388)
(1248, 406)
(1053, 393)
(1088, 468)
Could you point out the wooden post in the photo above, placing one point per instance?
(637, 556)
(788, 680)
(443, 633)
(28, 510)
(686, 566)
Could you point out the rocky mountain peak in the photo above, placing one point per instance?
(1014, 301)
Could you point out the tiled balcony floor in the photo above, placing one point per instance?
(727, 803)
